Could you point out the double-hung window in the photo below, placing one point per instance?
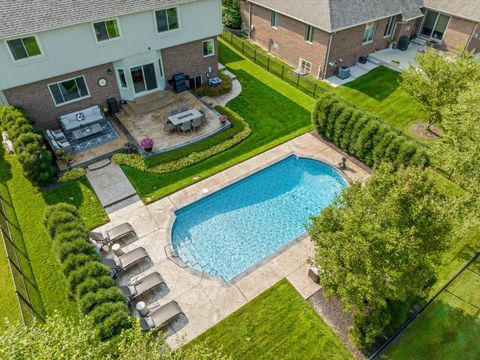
(70, 90)
(167, 19)
(305, 66)
(24, 48)
(309, 34)
(106, 30)
(274, 19)
(389, 28)
(369, 33)
(208, 48)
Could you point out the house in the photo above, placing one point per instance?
(316, 36)
(61, 56)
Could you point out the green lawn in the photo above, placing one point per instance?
(449, 328)
(278, 324)
(26, 206)
(275, 111)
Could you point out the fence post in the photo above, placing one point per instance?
(231, 38)
(268, 64)
(255, 57)
(298, 80)
(243, 47)
(283, 67)
(315, 90)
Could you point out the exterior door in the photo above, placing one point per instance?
(144, 78)
(435, 25)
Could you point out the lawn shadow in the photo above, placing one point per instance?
(70, 193)
(227, 55)
(378, 84)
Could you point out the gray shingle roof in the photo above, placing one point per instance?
(468, 9)
(334, 15)
(21, 17)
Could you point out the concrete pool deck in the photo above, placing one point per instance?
(204, 299)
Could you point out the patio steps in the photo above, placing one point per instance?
(149, 103)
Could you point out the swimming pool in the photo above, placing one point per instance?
(231, 230)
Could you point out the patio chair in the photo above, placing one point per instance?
(61, 145)
(142, 286)
(184, 108)
(173, 111)
(196, 123)
(186, 126)
(204, 114)
(161, 317)
(124, 262)
(113, 235)
(57, 135)
(169, 127)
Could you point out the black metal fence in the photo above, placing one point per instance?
(26, 290)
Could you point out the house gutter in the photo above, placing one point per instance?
(327, 55)
(470, 39)
(250, 17)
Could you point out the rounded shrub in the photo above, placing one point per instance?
(75, 261)
(71, 226)
(78, 246)
(114, 324)
(20, 128)
(23, 140)
(360, 123)
(72, 175)
(65, 237)
(93, 299)
(340, 125)
(346, 137)
(366, 142)
(59, 218)
(37, 164)
(335, 111)
(92, 269)
(405, 152)
(420, 157)
(60, 207)
(391, 152)
(324, 106)
(381, 144)
(102, 311)
(93, 285)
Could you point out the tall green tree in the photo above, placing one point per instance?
(63, 338)
(231, 14)
(378, 243)
(439, 79)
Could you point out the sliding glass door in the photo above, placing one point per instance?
(434, 25)
(144, 78)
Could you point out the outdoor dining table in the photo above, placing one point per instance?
(184, 117)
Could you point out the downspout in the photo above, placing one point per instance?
(327, 55)
(249, 19)
(470, 39)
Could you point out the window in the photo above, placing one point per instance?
(106, 30)
(369, 33)
(69, 90)
(309, 34)
(274, 19)
(208, 48)
(24, 48)
(435, 25)
(167, 19)
(195, 82)
(305, 66)
(122, 79)
(390, 24)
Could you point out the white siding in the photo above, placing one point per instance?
(75, 48)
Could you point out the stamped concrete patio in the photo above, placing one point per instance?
(204, 299)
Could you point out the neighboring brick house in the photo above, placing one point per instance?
(316, 35)
(61, 56)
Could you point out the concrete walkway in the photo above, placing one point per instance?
(205, 300)
(112, 187)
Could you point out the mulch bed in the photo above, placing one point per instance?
(420, 129)
(340, 321)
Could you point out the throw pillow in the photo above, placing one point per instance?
(81, 116)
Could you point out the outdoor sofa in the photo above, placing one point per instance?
(77, 119)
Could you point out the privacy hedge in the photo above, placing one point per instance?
(364, 136)
(35, 159)
(89, 280)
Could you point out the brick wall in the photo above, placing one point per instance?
(188, 59)
(288, 41)
(457, 34)
(35, 98)
(245, 15)
(347, 44)
(409, 29)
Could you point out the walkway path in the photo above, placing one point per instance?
(112, 186)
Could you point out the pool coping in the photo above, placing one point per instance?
(263, 261)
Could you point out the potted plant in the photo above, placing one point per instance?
(147, 144)
(222, 119)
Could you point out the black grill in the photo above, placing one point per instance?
(403, 43)
(179, 82)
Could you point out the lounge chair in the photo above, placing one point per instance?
(143, 285)
(186, 126)
(184, 108)
(169, 127)
(57, 135)
(204, 114)
(173, 111)
(161, 317)
(113, 235)
(125, 261)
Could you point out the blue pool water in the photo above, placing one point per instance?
(233, 229)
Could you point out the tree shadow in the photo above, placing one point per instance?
(227, 55)
(378, 84)
(70, 193)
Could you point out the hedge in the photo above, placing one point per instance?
(89, 280)
(73, 174)
(136, 161)
(364, 136)
(35, 159)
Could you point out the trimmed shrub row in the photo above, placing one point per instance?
(136, 161)
(72, 175)
(364, 136)
(35, 159)
(89, 281)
